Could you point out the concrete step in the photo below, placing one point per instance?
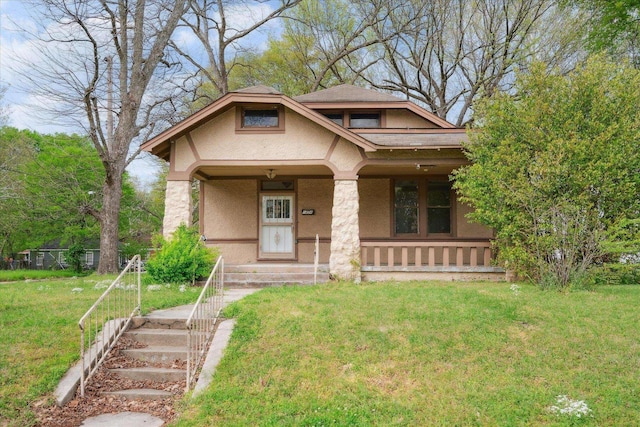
(274, 268)
(158, 354)
(275, 277)
(140, 394)
(151, 374)
(158, 323)
(159, 337)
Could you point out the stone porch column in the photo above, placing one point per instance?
(177, 206)
(344, 262)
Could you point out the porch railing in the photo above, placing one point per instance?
(108, 319)
(316, 258)
(202, 320)
(408, 255)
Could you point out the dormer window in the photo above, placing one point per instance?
(364, 120)
(260, 118)
(337, 118)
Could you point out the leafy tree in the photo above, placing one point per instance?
(449, 53)
(614, 26)
(221, 27)
(182, 258)
(106, 66)
(55, 193)
(556, 169)
(323, 44)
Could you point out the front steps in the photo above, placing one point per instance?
(154, 361)
(276, 274)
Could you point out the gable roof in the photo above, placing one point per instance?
(160, 144)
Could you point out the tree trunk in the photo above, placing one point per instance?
(112, 195)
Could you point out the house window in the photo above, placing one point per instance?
(40, 259)
(438, 207)
(407, 209)
(364, 120)
(337, 118)
(260, 118)
(422, 208)
(267, 118)
(89, 259)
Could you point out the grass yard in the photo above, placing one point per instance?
(40, 339)
(426, 354)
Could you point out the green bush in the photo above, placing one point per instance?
(181, 259)
(613, 274)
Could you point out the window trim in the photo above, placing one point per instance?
(423, 232)
(381, 114)
(240, 112)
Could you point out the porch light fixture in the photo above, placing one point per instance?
(271, 173)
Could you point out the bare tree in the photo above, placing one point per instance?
(220, 26)
(105, 64)
(455, 51)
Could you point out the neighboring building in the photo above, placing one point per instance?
(366, 171)
(56, 259)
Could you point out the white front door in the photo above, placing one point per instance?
(276, 229)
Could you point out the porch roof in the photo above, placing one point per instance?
(438, 138)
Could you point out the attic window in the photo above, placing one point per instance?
(364, 120)
(260, 118)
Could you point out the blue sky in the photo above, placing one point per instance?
(22, 103)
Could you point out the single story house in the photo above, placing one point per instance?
(366, 171)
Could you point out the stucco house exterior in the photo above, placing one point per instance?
(365, 171)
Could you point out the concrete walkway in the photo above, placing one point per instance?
(219, 343)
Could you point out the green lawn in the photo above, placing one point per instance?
(435, 353)
(426, 354)
(40, 339)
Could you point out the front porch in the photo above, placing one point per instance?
(468, 259)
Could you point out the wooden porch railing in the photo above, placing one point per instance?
(410, 255)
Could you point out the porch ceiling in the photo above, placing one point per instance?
(261, 170)
(212, 172)
(410, 168)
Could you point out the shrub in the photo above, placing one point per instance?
(613, 274)
(181, 259)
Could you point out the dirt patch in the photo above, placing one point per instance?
(94, 403)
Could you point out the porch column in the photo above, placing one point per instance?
(177, 206)
(344, 262)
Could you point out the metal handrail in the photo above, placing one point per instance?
(202, 320)
(316, 257)
(108, 318)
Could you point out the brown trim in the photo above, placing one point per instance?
(395, 242)
(383, 119)
(192, 146)
(313, 239)
(331, 149)
(263, 163)
(384, 105)
(221, 241)
(429, 131)
(172, 157)
(201, 197)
